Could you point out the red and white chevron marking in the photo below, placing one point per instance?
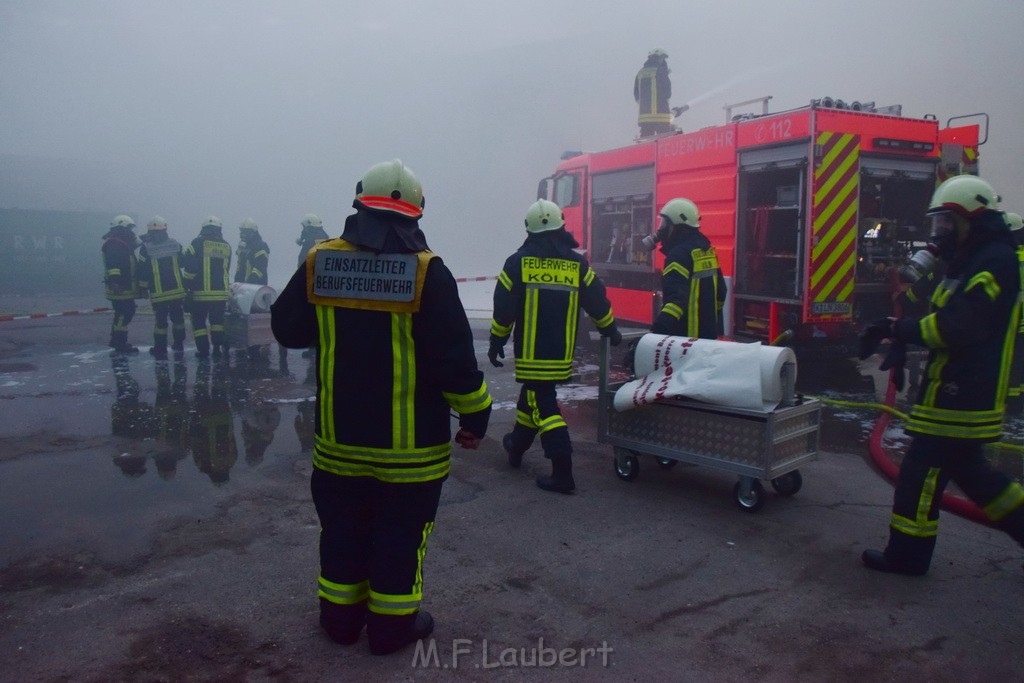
(32, 316)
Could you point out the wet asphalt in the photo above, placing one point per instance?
(157, 525)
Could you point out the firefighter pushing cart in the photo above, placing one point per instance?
(753, 444)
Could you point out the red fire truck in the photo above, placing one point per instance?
(810, 210)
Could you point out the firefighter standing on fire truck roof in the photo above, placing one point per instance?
(652, 89)
(970, 333)
(692, 286)
(394, 352)
(539, 292)
(119, 264)
(160, 275)
(206, 266)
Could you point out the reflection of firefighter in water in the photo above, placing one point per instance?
(130, 418)
(258, 425)
(211, 427)
(305, 423)
(171, 417)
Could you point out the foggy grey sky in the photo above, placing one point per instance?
(271, 109)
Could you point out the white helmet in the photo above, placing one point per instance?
(966, 195)
(391, 186)
(248, 224)
(212, 222)
(122, 221)
(311, 220)
(1014, 221)
(680, 211)
(543, 215)
(157, 223)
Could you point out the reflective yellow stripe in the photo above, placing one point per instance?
(1006, 502)
(343, 593)
(382, 603)
(987, 282)
(589, 276)
(552, 422)
(673, 310)
(403, 388)
(499, 330)
(505, 281)
(675, 267)
(473, 402)
(921, 526)
(325, 370)
(571, 320)
(605, 321)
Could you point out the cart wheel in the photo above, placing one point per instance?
(752, 502)
(627, 466)
(666, 463)
(788, 484)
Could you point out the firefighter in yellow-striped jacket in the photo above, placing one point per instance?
(692, 286)
(970, 331)
(1015, 394)
(160, 276)
(539, 293)
(206, 267)
(394, 355)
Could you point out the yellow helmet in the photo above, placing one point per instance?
(391, 186)
(544, 215)
(680, 211)
(966, 195)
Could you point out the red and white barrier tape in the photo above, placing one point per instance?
(32, 316)
(476, 279)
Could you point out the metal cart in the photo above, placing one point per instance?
(753, 444)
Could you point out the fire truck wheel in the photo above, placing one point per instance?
(627, 465)
(751, 502)
(788, 484)
(666, 463)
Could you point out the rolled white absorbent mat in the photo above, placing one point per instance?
(252, 298)
(719, 372)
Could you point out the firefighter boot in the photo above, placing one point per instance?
(561, 480)
(119, 341)
(159, 348)
(202, 347)
(390, 633)
(179, 341)
(877, 560)
(515, 443)
(342, 623)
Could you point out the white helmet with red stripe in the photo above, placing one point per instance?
(966, 195)
(391, 186)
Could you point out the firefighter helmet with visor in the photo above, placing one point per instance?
(311, 220)
(680, 211)
(122, 221)
(965, 195)
(156, 223)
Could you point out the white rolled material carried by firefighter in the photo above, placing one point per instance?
(719, 372)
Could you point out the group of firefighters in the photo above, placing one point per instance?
(391, 367)
(196, 279)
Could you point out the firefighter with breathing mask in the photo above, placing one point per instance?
(692, 286)
(970, 331)
(394, 355)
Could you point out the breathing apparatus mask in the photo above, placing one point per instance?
(920, 264)
(944, 237)
(650, 242)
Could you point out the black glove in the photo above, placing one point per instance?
(872, 335)
(895, 360)
(629, 358)
(614, 336)
(496, 351)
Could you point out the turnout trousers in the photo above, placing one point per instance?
(537, 412)
(930, 464)
(124, 311)
(373, 540)
(172, 312)
(214, 312)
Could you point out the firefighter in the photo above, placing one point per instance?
(253, 254)
(692, 286)
(312, 232)
(394, 354)
(160, 277)
(1015, 394)
(652, 89)
(206, 265)
(119, 268)
(538, 296)
(970, 333)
